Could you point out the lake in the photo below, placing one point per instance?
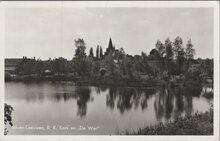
(62, 108)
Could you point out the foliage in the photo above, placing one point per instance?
(207, 67)
(160, 47)
(100, 52)
(91, 52)
(7, 117)
(30, 66)
(166, 61)
(193, 72)
(80, 48)
(102, 72)
(197, 124)
(168, 49)
(7, 76)
(97, 52)
(193, 79)
(190, 52)
(82, 65)
(60, 65)
(110, 65)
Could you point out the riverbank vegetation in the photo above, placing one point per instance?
(170, 61)
(168, 65)
(7, 117)
(197, 124)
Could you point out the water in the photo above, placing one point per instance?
(50, 108)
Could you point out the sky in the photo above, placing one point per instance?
(50, 32)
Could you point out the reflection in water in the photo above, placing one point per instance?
(110, 107)
(126, 98)
(81, 94)
(176, 102)
(83, 97)
(163, 104)
(168, 101)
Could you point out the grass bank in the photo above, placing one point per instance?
(197, 124)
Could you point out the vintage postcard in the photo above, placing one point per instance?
(109, 70)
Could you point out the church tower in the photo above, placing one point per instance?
(110, 48)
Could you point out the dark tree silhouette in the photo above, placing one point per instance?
(97, 52)
(91, 52)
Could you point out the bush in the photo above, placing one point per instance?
(193, 80)
(198, 124)
(7, 117)
(7, 76)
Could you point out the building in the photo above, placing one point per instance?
(110, 49)
(11, 63)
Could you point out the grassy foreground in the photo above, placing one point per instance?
(197, 124)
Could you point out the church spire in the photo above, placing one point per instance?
(110, 45)
(111, 48)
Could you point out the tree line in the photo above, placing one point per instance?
(167, 59)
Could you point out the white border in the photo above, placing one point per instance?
(162, 4)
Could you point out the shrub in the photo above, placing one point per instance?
(7, 117)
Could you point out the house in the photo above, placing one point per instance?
(11, 63)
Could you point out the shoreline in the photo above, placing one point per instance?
(106, 81)
(97, 81)
(197, 124)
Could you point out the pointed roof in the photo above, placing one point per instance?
(110, 45)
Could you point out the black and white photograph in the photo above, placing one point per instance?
(111, 69)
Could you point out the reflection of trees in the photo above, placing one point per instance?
(163, 104)
(174, 101)
(126, 98)
(111, 97)
(189, 105)
(100, 89)
(83, 96)
(64, 96)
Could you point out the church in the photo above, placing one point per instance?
(112, 51)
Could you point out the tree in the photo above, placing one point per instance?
(179, 53)
(80, 48)
(100, 52)
(178, 48)
(144, 64)
(154, 54)
(97, 52)
(82, 66)
(110, 65)
(168, 49)
(128, 67)
(81, 63)
(61, 65)
(102, 72)
(91, 52)
(27, 66)
(193, 79)
(168, 55)
(160, 47)
(190, 52)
